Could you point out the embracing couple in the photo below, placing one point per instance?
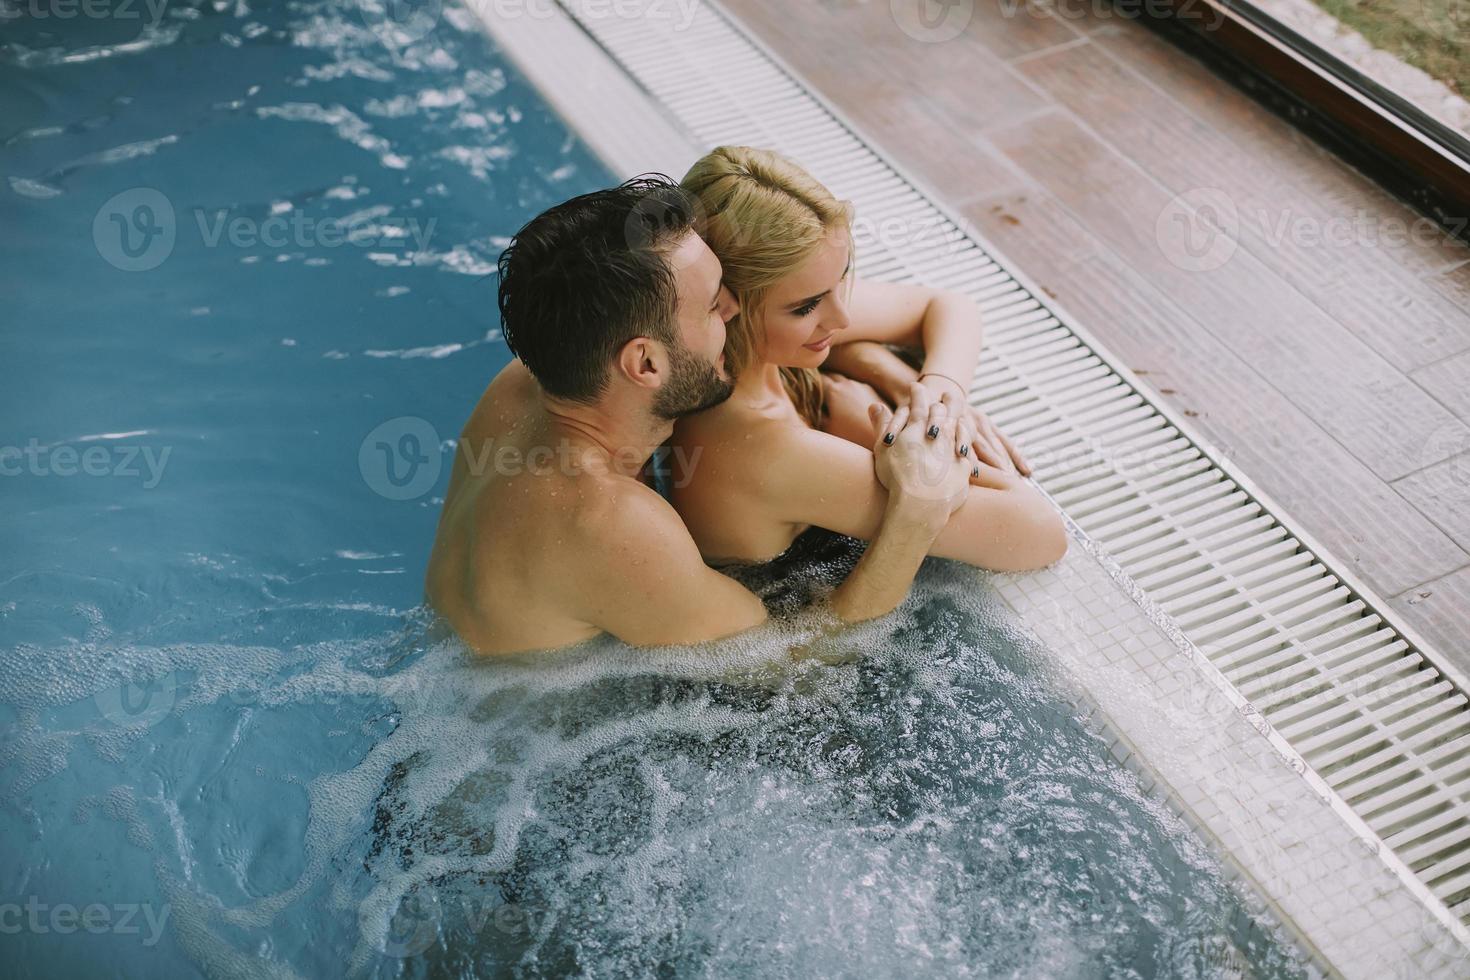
(697, 314)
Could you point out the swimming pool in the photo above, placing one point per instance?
(246, 268)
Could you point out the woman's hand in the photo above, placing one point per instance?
(995, 447)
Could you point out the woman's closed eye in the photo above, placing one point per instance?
(815, 301)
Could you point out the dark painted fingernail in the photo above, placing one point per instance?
(975, 471)
(964, 450)
(933, 432)
(888, 439)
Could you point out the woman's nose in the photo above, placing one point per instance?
(837, 318)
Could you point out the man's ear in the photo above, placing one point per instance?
(644, 362)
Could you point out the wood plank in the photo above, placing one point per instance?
(1316, 481)
(1448, 381)
(854, 52)
(1453, 281)
(1003, 28)
(1016, 28)
(1441, 492)
(1369, 406)
(1437, 609)
(910, 120)
(1276, 147)
(1334, 257)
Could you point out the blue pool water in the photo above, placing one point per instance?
(246, 257)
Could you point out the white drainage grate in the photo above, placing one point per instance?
(1382, 725)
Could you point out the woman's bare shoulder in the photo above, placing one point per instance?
(730, 426)
(733, 451)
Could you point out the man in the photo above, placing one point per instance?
(614, 308)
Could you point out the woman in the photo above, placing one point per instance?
(766, 471)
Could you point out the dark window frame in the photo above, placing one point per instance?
(1417, 157)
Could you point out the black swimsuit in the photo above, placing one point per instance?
(818, 560)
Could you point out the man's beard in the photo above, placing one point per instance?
(694, 385)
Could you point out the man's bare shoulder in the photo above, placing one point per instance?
(639, 575)
(511, 394)
(622, 519)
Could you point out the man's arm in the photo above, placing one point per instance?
(640, 577)
(925, 485)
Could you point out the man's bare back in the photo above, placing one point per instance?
(493, 587)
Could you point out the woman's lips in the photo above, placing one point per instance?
(820, 345)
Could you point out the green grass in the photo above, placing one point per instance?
(1432, 35)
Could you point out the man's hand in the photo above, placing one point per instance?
(927, 481)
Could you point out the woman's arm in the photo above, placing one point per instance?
(810, 477)
(872, 364)
(867, 371)
(946, 324)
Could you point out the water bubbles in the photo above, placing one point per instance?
(914, 791)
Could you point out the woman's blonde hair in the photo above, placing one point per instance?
(763, 216)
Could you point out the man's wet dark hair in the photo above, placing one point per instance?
(583, 278)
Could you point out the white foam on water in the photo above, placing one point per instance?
(910, 795)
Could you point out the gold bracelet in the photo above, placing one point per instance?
(936, 374)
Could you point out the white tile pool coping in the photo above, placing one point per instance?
(1351, 906)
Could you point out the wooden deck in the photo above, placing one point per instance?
(1328, 355)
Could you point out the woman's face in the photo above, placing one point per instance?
(804, 312)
